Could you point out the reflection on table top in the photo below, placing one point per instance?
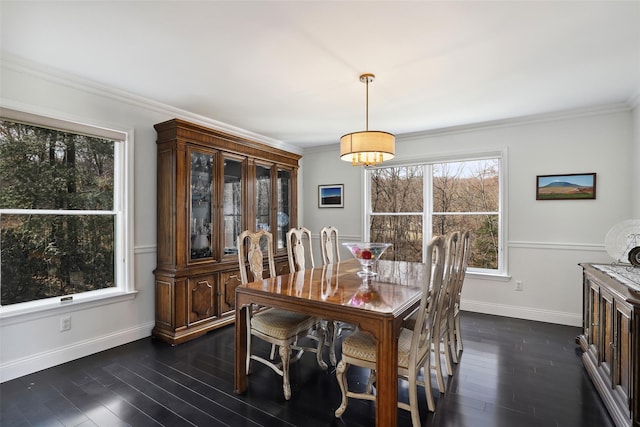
(338, 284)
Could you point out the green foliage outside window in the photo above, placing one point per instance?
(57, 228)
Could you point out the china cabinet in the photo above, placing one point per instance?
(610, 341)
(210, 187)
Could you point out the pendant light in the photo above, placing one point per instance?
(368, 147)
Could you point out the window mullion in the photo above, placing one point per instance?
(427, 191)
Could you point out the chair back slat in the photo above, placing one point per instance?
(329, 245)
(253, 250)
(299, 249)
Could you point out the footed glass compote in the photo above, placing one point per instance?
(367, 253)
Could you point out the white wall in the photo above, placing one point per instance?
(31, 343)
(546, 239)
(636, 158)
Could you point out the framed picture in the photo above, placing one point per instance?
(566, 187)
(331, 196)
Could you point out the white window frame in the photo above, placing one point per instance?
(122, 210)
(501, 273)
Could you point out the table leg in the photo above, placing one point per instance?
(241, 348)
(387, 376)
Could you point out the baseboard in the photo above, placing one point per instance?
(528, 313)
(38, 362)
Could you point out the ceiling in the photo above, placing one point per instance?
(288, 70)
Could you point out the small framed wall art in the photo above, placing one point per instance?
(331, 196)
(572, 186)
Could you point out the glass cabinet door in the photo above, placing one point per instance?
(201, 179)
(232, 204)
(284, 208)
(263, 198)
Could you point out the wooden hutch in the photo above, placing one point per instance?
(211, 186)
(611, 340)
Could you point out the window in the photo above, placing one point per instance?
(63, 215)
(408, 204)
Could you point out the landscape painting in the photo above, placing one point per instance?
(330, 196)
(566, 187)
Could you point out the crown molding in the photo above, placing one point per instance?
(522, 120)
(24, 66)
(511, 122)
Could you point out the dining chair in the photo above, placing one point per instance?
(330, 253)
(298, 251)
(455, 338)
(442, 348)
(414, 346)
(280, 328)
(329, 248)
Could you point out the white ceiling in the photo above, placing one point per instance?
(288, 70)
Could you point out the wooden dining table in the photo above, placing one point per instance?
(335, 292)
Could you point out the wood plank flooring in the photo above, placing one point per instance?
(512, 373)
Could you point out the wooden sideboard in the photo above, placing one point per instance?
(610, 339)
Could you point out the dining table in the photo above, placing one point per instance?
(334, 292)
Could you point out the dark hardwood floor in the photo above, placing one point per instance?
(512, 373)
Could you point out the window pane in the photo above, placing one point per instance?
(470, 186)
(232, 204)
(397, 189)
(47, 256)
(43, 168)
(403, 231)
(484, 236)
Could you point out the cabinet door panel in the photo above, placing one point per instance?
(201, 205)
(232, 205)
(283, 201)
(606, 323)
(263, 198)
(228, 282)
(622, 359)
(593, 316)
(202, 298)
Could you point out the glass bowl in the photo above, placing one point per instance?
(367, 253)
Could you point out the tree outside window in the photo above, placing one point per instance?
(409, 204)
(57, 218)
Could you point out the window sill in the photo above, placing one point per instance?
(488, 276)
(10, 315)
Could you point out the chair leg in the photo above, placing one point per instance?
(248, 359)
(413, 400)
(446, 350)
(341, 376)
(332, 335)
(438, 365)
(371, 381)
(457, 333)
(320, 347)
(452, 340)
(431, 404)
(285, 354)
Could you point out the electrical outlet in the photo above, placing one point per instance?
(65, 323)
(518, 285)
